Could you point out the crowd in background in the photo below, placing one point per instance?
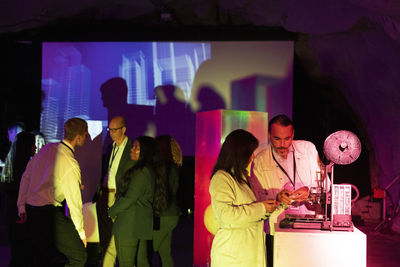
(142, 214)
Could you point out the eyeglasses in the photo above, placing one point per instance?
(114, 129)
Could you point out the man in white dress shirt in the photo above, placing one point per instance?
(53, 178)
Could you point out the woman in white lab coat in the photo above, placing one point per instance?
(240, 239)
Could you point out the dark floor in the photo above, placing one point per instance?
(383, 247)
(182, 246)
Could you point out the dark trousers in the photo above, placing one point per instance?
(131, 250)
(105, 222)
(269, 243)
(67, 240)
(162, 239)
(51, 230)
(21, 250)
(40, 222)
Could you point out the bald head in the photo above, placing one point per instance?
(119, 120)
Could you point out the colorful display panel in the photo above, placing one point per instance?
(211, 129)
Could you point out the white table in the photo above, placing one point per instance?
(317, 248)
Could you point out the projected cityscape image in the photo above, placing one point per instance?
(72, 74)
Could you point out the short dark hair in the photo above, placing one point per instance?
(235, 154)
(74, 127)
(281, 119)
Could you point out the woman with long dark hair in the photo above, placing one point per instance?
(166, 209)
(133, 208)
(240, 238)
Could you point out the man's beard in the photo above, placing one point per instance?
(283, 151)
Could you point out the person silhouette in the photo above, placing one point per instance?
(114, 94)
(174, 117)
(209, 99)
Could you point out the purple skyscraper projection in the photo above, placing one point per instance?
(73, 72)
(190, 77)
(211, 129)
(51, 119)
(66, 91)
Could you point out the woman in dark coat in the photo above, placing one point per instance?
(133, 208)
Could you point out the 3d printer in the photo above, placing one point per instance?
(329, 203)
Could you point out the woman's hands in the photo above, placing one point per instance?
(270, 205)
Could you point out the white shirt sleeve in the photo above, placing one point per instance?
(71, 188)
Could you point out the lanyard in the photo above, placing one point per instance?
(282, 169)
(67, 147)
(113, 154)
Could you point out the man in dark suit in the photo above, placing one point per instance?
(116, 163)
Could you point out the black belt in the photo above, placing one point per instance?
(44, 207)
(40, 207)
